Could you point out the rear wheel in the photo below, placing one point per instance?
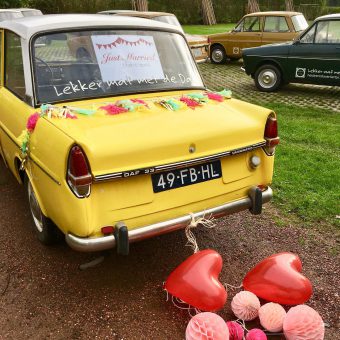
(46, 231)
(218, 55)
(268, 78)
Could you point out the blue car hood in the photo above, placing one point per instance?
(277, 49)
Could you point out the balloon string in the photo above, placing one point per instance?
(184, 306)
(242, 323)
(233, 287)
(205, 222)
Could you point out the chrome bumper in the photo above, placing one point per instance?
(243, 69)
(138, 234)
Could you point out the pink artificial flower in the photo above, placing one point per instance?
(140, 101)
(189, 102)
(112, 109)
(71, 116)
(32, 121)
(215, 96)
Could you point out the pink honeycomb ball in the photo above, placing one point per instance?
(245, 305)
(236, 331)
(207, 326)
(303, 323)
(271, 317)
(256, 334)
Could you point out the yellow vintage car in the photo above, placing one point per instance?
(129, 145)
(253, 30)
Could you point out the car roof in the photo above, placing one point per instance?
(28, 26)
(9, 10)
(329, 16)
(138, 13)
(278, 13)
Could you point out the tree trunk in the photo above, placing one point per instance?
(208, 13)
(289, 5)
(253, 6)
(140, 5)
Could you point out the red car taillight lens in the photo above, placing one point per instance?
(78, 173)
(271, 134)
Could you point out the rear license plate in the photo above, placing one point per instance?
(182, 177)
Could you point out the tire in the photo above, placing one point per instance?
(47, 233)
(218, 55)
(268, 78)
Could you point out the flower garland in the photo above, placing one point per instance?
(191, 100)
(51, 112)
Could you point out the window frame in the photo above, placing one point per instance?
(316, 31)
(275, 16)
(2, 57)
(5, 61)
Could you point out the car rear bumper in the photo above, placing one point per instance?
(253, 202)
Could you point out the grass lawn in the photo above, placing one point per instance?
(307, 163)
(206, 29)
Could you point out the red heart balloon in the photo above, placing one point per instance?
(278, 279)
(195, 281)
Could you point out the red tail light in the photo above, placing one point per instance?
(78, 173)
(271, 128)
(271, 134)
(208, 40)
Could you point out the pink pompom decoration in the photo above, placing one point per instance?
(207, 326)
(71, 116)
(271, 317)
(140, 101)
(303, 323)
(32, 121)
(215, 96)
(189, 102)
(245, 305)
(236, 331)
(256, 334)
(112, 109)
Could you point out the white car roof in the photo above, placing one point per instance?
(28, 26)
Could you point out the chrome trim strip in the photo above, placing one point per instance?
(9, 136)
(138, 234)
(44, 171)
(170, 166)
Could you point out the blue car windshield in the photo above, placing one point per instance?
(89, 64)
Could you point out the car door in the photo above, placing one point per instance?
(276, 29)
(315, 58)
(13, 110)
(248, 33)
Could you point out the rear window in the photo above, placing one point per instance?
(90, 64)
(299, 22)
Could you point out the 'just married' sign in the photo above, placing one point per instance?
(127, 57)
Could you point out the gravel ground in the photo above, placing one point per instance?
(44, 294)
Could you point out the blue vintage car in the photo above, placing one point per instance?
(313, 58)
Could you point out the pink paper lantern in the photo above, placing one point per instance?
(236, 331)
(303, 323)
(245, 305)
(256, 334)
(207, 326)
(271, 317)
